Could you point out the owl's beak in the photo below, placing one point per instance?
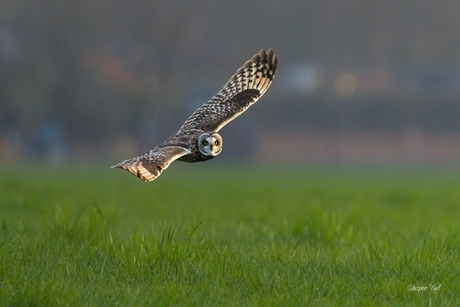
(210, 147)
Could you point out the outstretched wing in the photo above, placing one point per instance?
(246, 86)
(150, 165)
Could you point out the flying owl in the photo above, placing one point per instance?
(198, 138)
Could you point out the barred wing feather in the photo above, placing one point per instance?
(243, 89)
(151, 164)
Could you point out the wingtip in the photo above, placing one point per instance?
(265, 57)
(262, 55)
(118, 165)
(270, 54)
(255, 58)
(271, 58)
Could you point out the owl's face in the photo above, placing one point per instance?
(210, 144)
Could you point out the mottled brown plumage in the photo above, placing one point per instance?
(197, 140)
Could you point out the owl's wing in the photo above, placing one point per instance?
(150, 165)
(243, 89)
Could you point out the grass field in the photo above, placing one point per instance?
(207, 235)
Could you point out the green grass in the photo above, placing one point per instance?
(205, 235)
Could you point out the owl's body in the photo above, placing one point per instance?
(198, 139)
(189, 140)
(195, 154)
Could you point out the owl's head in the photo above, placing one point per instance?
(210, 144)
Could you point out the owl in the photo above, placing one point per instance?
(198, 139)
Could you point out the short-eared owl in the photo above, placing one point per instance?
(197, 140)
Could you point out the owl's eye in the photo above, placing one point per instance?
(205, 143)
(216, 143)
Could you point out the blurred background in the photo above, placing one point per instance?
(358, 80)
